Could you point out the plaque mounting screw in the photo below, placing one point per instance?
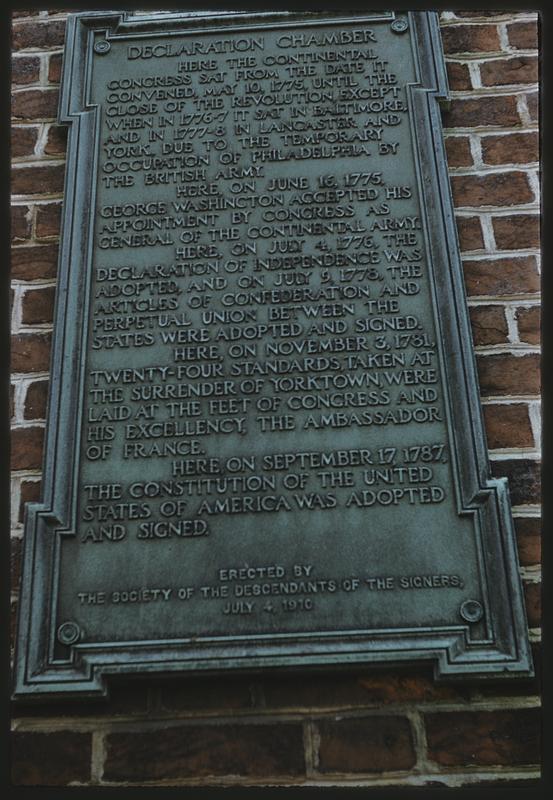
(102, 47)
(399, 25)
(471, 611)
(69, 633)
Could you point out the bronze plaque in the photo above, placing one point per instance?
(264, 445)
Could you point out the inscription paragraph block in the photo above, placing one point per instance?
(264, 445)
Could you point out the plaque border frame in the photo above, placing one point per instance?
(83, 672)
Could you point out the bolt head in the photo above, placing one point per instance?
(471, 611)
(69, 633)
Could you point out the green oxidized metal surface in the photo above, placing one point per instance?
(265, 445)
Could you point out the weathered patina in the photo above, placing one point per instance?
(264, 445)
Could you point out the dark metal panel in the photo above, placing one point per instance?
(368, 575)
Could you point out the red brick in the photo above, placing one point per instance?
(458, 151)
(523, 475)
(34, 262)
(39, 35)
(470, 39)
(15, 563)
(532, 601)
(482, 14)
(48, 220)
(44, 179)
(38, 306)
(458, 76)
(489, 325)
(30, 352)
(29, 493)
(532, 101)
(21, 218)
(33, 104)
(36, 400)
(12, 400)
(502, 276)
(499, 111)
(484, 738)
(206, 693)
(517, 232)
(374, 687)
(508, 425)
(25, 69)
(250, 750)
(52, 758)
(414, 685)
(502, 189)
(512, 148)
(508, 71)
(528, 531)
(54, 68)
(529, 321)
(505, 374)
(470, 233)
(365, 745)
(26, 448)
(523, 35)
(23, 140)
(56, 143)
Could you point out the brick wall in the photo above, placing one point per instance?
(367, 727)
